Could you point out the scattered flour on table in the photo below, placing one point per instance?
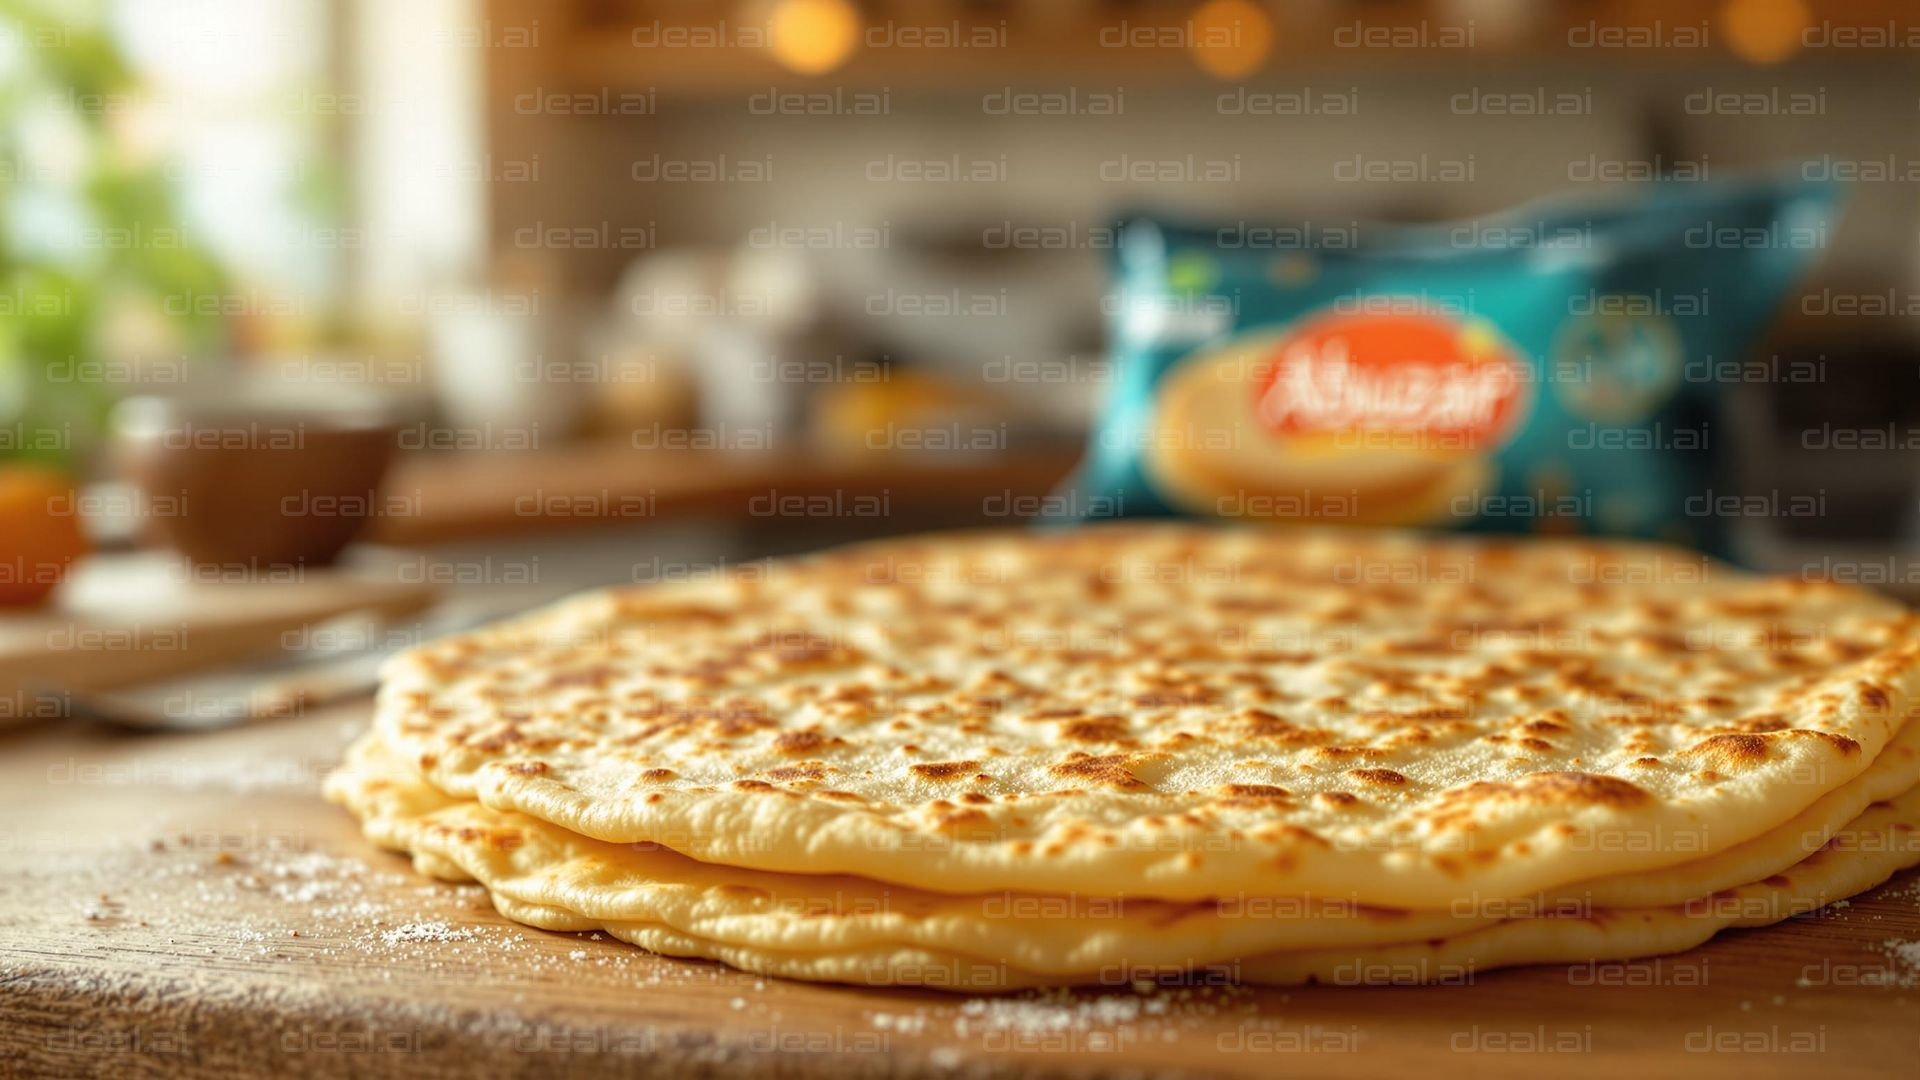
(243, 775)
(1904, 954)
(1906, 962)
(426, 931)
(1068, 1017)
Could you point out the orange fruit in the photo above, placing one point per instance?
(40, 532)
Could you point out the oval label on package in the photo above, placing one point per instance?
(1456, 383)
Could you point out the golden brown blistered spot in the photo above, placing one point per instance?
(1378, 777)
(851, 692)
(596, 676)
(798, 742)
(1569, 788)
(498, 839)
(1095, 729)
(1261, 724)
(500, 740)
(1110, 770)
(1875, 697)
(1253, 791)
(1845, 746)
(1646, 762)
(528, 768)
(1581, 787)
(643, 610)
(811, 651)
(1406, 739)
(658, 775)
(1731, 752)
(1192, 695)
(953, 820)
(1337, 799)
(1246, 604)
(1753, 609)
(1847, 651)
(1431, 712)
(751, 785)
(806, 770)
(1252, 796)
(943, 770)
(1432, 646)
(1670, 644)
(1343, 753)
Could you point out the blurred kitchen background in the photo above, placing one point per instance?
(630, 288)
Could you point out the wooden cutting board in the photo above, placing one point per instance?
(186, 905)
(146, 616)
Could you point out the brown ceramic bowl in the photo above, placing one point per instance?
(257, 477)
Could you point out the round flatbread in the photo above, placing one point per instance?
(527, 862)
(840, 929)
(1176, 712)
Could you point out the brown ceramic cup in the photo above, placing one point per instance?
(252, 477)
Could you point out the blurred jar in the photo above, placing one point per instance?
(500, 370)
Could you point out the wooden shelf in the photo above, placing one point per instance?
(603, 56)
(466, 496)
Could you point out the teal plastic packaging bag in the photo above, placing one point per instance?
(1553, 369)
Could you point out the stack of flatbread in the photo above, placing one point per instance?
(1011, 759)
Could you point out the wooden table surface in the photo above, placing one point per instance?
(186, 905)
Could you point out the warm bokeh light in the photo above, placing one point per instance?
(1764, 31)
(813, 37)
(1231, 38)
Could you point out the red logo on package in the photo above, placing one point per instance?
(1402, 371)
